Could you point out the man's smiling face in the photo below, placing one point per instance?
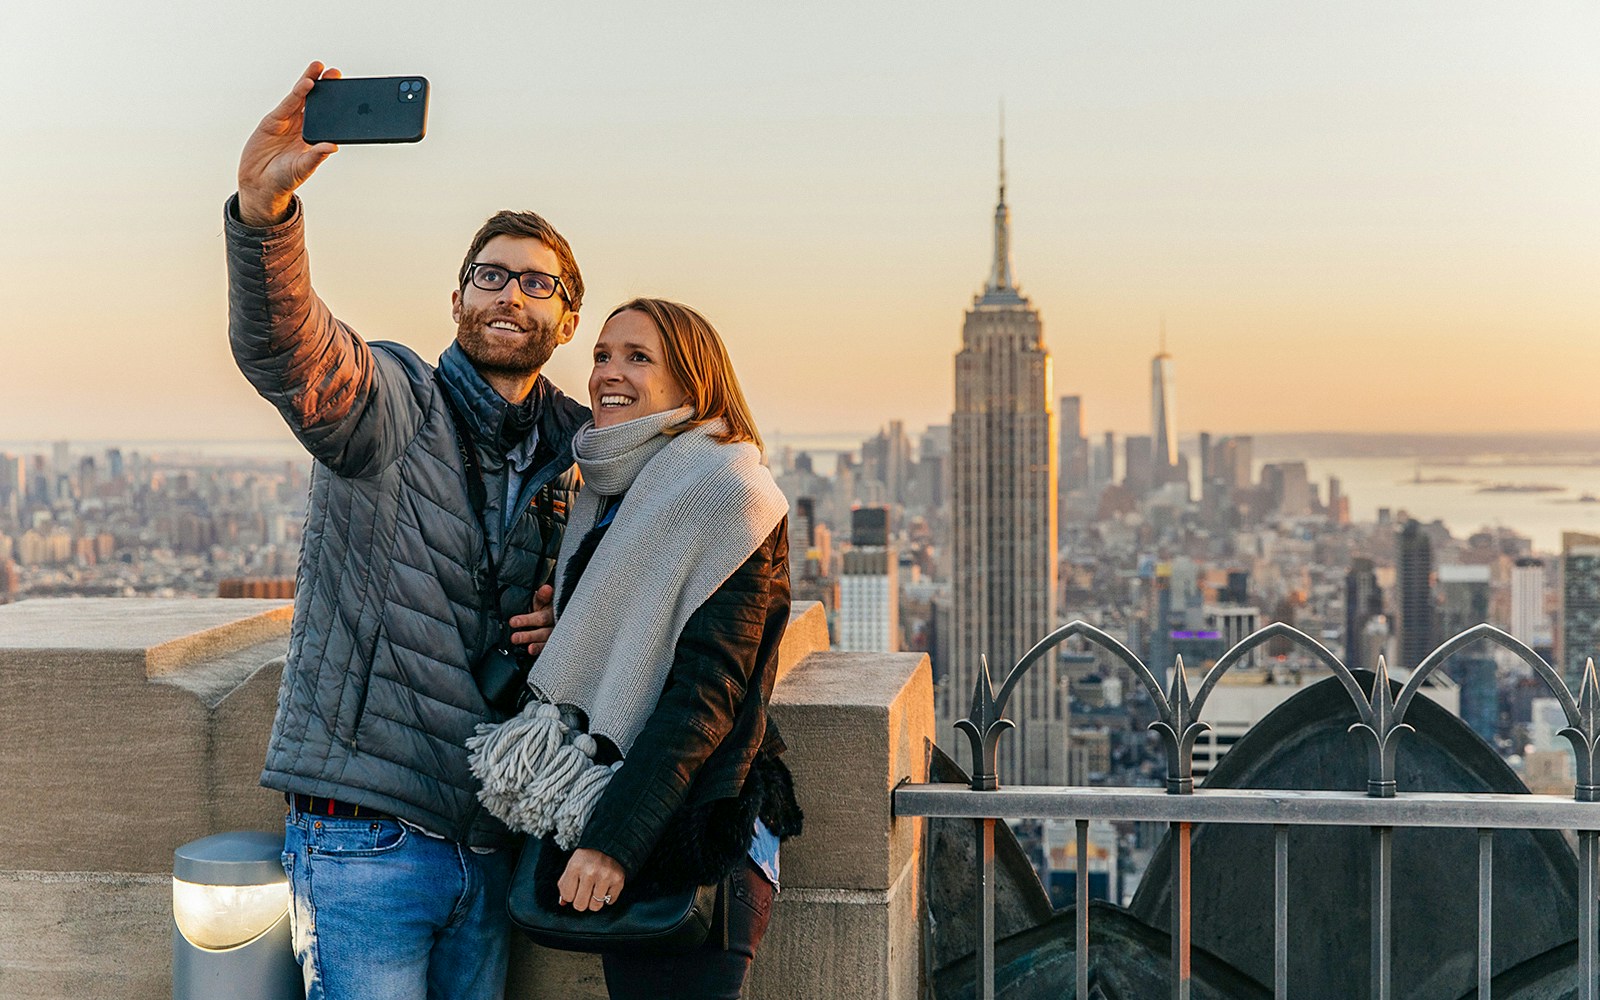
(506, 331)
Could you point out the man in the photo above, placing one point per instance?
(398, 874)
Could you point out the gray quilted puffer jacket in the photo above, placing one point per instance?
(378, 696)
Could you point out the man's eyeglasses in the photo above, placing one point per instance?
(535, 284)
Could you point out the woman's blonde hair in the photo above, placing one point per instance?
(699, 361)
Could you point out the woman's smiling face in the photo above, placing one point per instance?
(630, 377)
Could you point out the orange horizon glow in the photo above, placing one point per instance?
(1362, 219)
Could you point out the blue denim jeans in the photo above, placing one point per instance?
(383, 912)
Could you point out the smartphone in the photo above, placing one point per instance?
(367, 109)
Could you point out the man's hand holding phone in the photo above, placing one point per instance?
(276, 160)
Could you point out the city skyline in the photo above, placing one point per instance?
(1348, 217)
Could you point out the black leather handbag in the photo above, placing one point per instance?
(678, 921)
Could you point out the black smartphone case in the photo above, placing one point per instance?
(367, 109)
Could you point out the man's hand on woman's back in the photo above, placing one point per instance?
(533, 629)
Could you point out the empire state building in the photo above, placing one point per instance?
(1003, 484)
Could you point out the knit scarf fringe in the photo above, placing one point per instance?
(539, 776)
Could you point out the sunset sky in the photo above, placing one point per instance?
(1357, 216)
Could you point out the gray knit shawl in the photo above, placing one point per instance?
(695, 510)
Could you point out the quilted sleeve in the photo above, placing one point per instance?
(332, 390)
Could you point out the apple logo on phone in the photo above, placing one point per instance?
(363, 108)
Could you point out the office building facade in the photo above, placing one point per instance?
(1003, 481)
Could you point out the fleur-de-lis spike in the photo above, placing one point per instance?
(1379, 722)
(1585, 736)
(983, 706)
(1382, 699)
(1589, 698)
(1179, 730)
(1178, 693)
(983, 727)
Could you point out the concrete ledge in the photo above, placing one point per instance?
(85, 934)
(807, 633)
(826, 944)
(855, 724)
(137, 725)
(130, 727)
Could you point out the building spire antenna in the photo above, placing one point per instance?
(1002, 151)
(1163, 342)
(1001, 283)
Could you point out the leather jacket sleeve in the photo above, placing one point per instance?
(329, 385)
(716, 656)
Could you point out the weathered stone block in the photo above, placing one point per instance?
(138, 725)
(842, 944)
(83, 934)
(855, 725)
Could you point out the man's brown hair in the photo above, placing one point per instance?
(530, 225)
(699, 361)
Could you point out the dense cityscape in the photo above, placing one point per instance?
(970, 542)
(174, 524)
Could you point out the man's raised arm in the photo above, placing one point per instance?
(323, 378)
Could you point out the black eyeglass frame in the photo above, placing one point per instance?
(561, 286)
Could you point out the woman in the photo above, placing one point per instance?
(647, 747)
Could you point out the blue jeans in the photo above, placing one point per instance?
(382, 912)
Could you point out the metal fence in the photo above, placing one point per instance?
(1383, 808)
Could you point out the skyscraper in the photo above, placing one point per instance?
(869, 586)
(1528, 619)
(1138, 466)
(1580, 604)
(1363, 601)
(1163, 416)
(1464, 593)
(1003, 484)
(1416, 595)
(1074, 455)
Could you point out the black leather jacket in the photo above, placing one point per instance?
(681, 810)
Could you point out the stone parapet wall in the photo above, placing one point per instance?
(130, 727)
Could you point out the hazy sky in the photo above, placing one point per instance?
(1355, 216)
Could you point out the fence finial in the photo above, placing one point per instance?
(1585, 736)
(1179, 730)
(1378, 721)
(983, 727)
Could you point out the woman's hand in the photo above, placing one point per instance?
(592, 881)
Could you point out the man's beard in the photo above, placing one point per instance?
(501, 356)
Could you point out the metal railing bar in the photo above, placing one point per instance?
(1382, 914)
(1280, 913)
(1251, 806)
(986, 920)
(1485, 911)
(1588, 926)
(1181, 911)
(1082, 907)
